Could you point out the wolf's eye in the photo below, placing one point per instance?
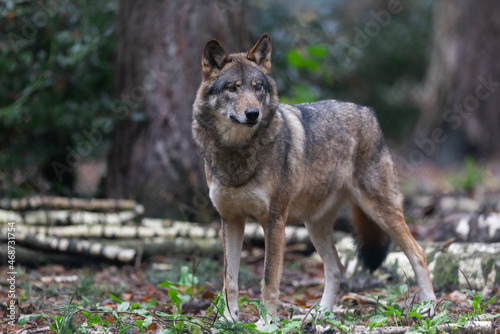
(258, 87)
(232, 89)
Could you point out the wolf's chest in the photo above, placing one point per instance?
(241, 202)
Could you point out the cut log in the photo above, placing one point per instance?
(92, 204)
(461, 265)
(470, 227)
(152, 228)
(65, 217)
(8, 216)
(75, 246)
(485, 327)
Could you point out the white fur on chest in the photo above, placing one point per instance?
(241, 202)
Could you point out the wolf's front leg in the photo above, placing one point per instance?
(232, 241)
(273, 262)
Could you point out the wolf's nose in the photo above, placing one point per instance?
(252, 114)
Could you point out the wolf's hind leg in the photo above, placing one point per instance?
(393, 223)
(321, 234)
(379, 199)
(232, 240)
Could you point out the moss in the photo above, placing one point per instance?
(445, 273)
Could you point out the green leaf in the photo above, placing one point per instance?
(86, 300)
(148, 321)
(105, 308)
(462, 320)
(24, 318)
(123, 307)
(490, 301)
(184, 298)
(295, 58)
(393, 310)
(447, 303)
(317, 50)
(163, 314)
(141, 312)
(441, 318)
(95, 319)
(471, 293)
(167, 284)
(250, 326)
(491, 316)
(262, 309)
(292, 326)
(377, 320)
(172, 293)
(139, 323)
(415, 314)
(220, 304)
(116, 299)
(187, 279)
(168, 331)
(183, 280)
(270, 328)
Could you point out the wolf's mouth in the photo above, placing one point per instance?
(250, 124)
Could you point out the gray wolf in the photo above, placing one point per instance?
(283, 164)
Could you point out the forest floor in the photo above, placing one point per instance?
(46, 288)
(43, 289)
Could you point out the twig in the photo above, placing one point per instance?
(305, 317)
(470, 286)
(447, 243)
(217, 313)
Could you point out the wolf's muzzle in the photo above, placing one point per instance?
(251, 118)
(252, 114)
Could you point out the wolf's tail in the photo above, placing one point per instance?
(373, 242)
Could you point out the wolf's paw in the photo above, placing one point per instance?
(428, 312)
(271, 326)
(230, 316)
(304, 317)
(316, 315)
(426, 309)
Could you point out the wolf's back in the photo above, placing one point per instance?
(341, 126)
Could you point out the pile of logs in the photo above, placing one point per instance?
(116, 230)
(64, 225)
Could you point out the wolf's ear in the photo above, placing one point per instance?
(214, 58)
(261, 53)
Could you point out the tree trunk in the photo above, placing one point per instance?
(157, 72)
(462, 90)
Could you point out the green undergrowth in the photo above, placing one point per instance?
(469, 179)
(82, 315)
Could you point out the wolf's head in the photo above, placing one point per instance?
(237, 94)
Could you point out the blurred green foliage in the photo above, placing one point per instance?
(469, 179)
(56, 65)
